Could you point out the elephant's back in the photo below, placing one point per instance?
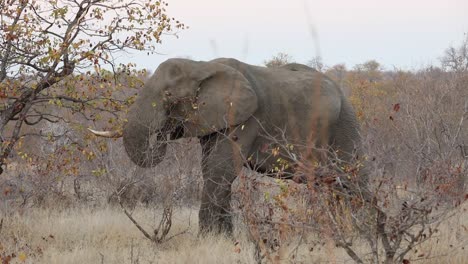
(298, 67)
(296, 103)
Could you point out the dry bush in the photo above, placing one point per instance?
(414, 127)
(414, 134)
(177, 178)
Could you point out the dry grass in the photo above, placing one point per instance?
(450, 245)
(107, 236)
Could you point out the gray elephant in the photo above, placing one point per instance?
(242, 115)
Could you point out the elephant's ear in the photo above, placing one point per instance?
(224, 98)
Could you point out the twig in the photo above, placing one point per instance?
(163, 228)
(142, 230)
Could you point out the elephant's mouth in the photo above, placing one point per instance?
(172, 130)
(177, 132)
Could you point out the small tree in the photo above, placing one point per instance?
(279, 60)
(338, 73)
(53, 55)
(317, 63)
(456, 58)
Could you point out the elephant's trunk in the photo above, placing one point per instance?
(138, 139)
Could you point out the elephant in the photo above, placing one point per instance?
(240, 113)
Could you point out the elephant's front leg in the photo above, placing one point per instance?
(223, 159)
(215, 210)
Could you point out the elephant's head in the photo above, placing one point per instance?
(185, 98)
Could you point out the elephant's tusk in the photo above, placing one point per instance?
(106, 134)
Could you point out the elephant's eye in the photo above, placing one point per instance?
(200, 84)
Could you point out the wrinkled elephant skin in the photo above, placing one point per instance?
(239, 112)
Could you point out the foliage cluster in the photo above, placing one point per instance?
(59, 64)
(414, 132)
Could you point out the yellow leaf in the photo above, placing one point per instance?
(275, 152)
(22, 256)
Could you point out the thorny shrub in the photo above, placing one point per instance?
(414, 135)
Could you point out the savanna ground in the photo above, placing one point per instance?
(415, 137)
(105, 235)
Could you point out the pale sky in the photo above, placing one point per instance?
(407, 34)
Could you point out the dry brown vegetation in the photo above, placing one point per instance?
(105, 235)
(416, 143)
